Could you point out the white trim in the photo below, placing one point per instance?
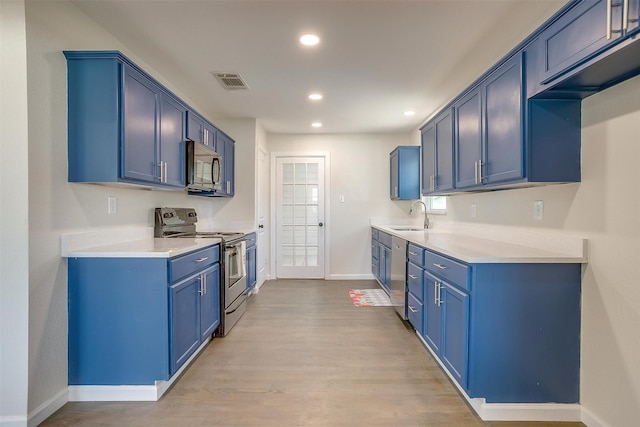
(366, 276)
(13, 421)
(44, 411)
(514, 411)
(327, 206)
(128, 393)
(590, 419)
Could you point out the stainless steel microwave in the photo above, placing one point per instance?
(204, 168)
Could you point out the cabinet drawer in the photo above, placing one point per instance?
(415, 254)
(415, 312)
(375, 234)
(448, 269)
(251, 239)
(187, 264)
(385, 239)
(414, 280)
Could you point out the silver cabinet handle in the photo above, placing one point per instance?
(204, 279)
(440, 266)
(625, 15)
(413, 310)
(201, 280)
(412, 253)
(432, 182)
(475, 171)
(413, 277)
(480, 164)
(166, 171)
(610, 6)
(435, 293)
(228, 186)
(161, 171)
(439, 299)
(202, 259)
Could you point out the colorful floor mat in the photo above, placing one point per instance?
(369, 297)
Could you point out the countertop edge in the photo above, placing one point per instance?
(541, 257)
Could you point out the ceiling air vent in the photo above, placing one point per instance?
(231, 81)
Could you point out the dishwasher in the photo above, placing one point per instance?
(398, 292)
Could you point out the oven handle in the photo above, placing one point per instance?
(236, 309)
(233, 244)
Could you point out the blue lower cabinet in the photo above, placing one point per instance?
(507, 333)
(454, 351)
(131, 325)
(252, 271)
(415, 312)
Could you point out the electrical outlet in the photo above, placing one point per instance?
(474, 210)
(341, 198)
(538, 210)
(112, 205)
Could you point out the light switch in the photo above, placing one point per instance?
(341, 198)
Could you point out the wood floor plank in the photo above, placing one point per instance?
(302, 355)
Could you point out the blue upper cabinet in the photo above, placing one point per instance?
(226, 148)
(405, 173)
(437, 154)
(468, 139)
(503, 124)
(579, 34)
(588, 47)
(123, 126)
(200, 130)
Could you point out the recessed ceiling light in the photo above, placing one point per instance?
(315, 96)
(316, 124)
(409, 113)
(309, 40)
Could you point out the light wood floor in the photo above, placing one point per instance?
(302, 355)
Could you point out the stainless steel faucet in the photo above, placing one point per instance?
(426, 219)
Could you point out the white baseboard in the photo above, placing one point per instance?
(366, 276)
(514, 411)
(591, 420)
(128, 393)
(47, 409)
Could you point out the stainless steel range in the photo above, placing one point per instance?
(181, 222)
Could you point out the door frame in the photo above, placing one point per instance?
(327, 206)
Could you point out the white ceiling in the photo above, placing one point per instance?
(376, 59)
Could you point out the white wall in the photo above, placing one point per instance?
(14, 207)
(57, 207)
(360, 172)
(604, 208)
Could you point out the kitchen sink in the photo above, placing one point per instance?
(407, 229)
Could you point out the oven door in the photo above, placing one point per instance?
(235, 272)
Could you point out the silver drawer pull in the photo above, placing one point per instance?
(440, 266)
(202, 259)
(413, 277)
(412, 253)
(413, 310)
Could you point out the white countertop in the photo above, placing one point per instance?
(143, 246)
(535, 247)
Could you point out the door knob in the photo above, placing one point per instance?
(320, 225)
(261, 226)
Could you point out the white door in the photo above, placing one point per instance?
(263, 209)
(299, 217)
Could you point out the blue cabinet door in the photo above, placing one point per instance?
(503, 123)
(454, 351)
(444, 152)
(405, 173)
(428, 158)
(200, 130)
(251, 267)
(210, 302)
(184, 306)
(140, 160)
(633, 17)
(437, 154)
(172, 141)
(468, 139)
(229, 166)
(432, 315)
(577, 36)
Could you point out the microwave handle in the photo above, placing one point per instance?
(215, 170)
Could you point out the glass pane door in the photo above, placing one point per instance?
(300, 200)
